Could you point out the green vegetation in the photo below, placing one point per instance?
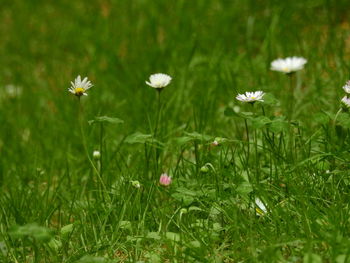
(62, 203)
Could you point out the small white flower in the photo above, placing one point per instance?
(96, 155)
(13, 91)
(79, 87)
(26, 135)
(346, 101)
(251, 96)
(218, 141)
(288, 65)
(159, 80)
(215, 143)
(260, 207)
(346, 88)
(136, 184)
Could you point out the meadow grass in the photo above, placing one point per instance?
(60, 203)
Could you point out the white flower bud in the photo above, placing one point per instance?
(96, 155)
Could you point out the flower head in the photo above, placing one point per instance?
(96, 154)
(215, 143)
(260, 207)
(136, 184)
(288, 65)
(204, 169)
(183, 211)
(346, 101)
(346, 88)
(159, 80)
(79, 87)
(13, 91)
(251, 96)
(218, 141)
(164, 179)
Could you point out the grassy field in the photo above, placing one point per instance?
(61, 203)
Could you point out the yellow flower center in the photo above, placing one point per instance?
(285, 69)
(253, 98)
(79, 91)
(259, 211)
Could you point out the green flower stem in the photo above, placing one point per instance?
(85, 147)
(156, 133)
(101, 149)
(290, 97)
(336, 116)
(248, 142)
(158, 113)
(256, 154)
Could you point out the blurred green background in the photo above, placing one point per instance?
(212, 48)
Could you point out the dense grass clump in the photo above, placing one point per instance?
(186, 173)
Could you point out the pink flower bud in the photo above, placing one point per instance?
(164, 179)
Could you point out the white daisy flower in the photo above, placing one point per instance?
(260, 209)
(346, 101)
(251, 97)
(346, 88)
(159, 80)
(79, 87)
(288, 65)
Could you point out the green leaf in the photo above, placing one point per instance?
(245, 114)
(153, 257)
(342, 259)
(269, 99)
(244, 188)
(198, 136)
(3, 248)
(194, 208)
(229, 112)
(139, 137)
(107, 119)
(217, 227)
(278, 124)
(186, 191)
(172, 236)
(185, 199)
(153, 235)
(67, 229)
(91, 259)
(55, 244)
(125, 225)
(183, 140)
(312, 258)
(344, 120)
(192, 136)
(260, 121)
(39, 233)
(321, 118)
(194, 244)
